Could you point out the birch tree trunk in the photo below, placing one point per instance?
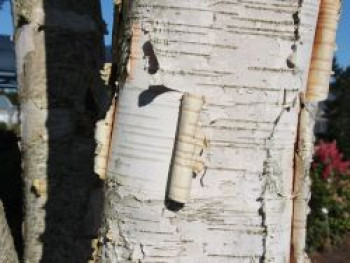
(250, 61)
(7, 249)
(59, 48)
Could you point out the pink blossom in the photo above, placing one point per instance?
(331, 159)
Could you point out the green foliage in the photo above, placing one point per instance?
(338, 109)
(330, 174)
(329, 220)
(3, 126)
(15, 128)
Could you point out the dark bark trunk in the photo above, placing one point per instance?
(59, 54)
(7, 248)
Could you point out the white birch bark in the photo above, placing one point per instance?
(250, 60)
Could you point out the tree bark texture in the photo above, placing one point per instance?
(250, 61)
(8, 252)
(317, 90)
(59, 48)
(302, 182)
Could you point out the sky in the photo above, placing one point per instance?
(343, 34)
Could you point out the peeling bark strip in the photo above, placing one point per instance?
(235, 54)
(323, 51)
(103, 132)
(317, 90)
(8, 252)
(185, 157)
(113, 75)
(302, 183)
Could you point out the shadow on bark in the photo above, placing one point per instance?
(76, 101)
(152, 66)
(11, 185)
(147, 96)
(148, 53)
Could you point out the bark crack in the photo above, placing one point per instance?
(271, 185)
(291, 60)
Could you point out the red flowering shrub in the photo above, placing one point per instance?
(329, 220)
(328, 155)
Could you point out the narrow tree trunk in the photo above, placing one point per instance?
(302, 182)
(250, 61)
(317, 90)
(7, 249)
(59, 48)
